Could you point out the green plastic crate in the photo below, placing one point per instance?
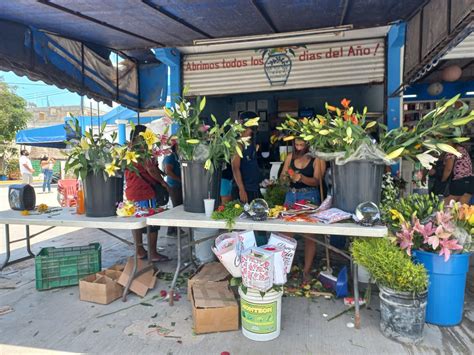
(59, 267)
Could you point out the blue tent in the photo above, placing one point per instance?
(50, 136)
(118, 113)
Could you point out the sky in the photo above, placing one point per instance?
(44, 95)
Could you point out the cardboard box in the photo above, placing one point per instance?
(212, 272)
(142, 283)
(215, 308)
(101, 287)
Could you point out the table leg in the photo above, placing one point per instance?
(134, 271)
(178, 268)
(7, 246)
(28, 245)
(356, 296)
(191, 246)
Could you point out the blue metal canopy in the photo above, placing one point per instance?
(68, 42)
(50, 136)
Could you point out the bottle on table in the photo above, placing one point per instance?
(80, 208)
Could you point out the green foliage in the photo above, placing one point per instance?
(94, 152)
(13, 166)
(389, 265)
(421, 206)
(275, 194)
(344, 130)
(212, 144)
(13, 113)
(229, 212)
(435, 131)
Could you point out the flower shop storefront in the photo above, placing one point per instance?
(293, 77)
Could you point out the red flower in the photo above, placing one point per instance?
(163, 293)
(291, 172)
(220, 208)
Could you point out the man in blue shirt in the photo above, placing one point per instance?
(172, 170)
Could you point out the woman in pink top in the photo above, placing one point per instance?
(461, 187)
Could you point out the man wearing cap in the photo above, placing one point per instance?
(245, 170)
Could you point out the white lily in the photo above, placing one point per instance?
(426, 159)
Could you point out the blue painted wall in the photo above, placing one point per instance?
(449, 90)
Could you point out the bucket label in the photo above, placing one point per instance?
(259, 318)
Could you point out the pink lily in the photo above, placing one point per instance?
(440, 234)
(405, 238)
(444, 219)
(204, 128)
(426, 230)
(166, 120)
(447, 246)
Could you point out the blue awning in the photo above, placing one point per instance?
(50, 136)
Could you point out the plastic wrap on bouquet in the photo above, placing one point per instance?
(226, 251)
(279, 269)
(289, 246)
(257, 269)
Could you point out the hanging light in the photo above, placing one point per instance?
(451, 73)
(435, 89)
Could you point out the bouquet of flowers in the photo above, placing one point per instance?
(447, 232)
(344, 132)
(213, 143)
(98, 153)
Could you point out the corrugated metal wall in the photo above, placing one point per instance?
(465, 49)
(317, 65)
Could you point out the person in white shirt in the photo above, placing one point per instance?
(26, 169)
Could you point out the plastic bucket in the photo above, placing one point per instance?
(198, 183)
(101, 196)
(356, 182)
(203, 251)
(447, 283)
(261, 316)
(402, 315)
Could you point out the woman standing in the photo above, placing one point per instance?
(47, 170)
(140, 189)
(306, 174)
(461, 187)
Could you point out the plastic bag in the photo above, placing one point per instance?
(279, 270)
(257, 269)
(289, 246)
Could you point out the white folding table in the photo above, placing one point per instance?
(66, 217)
(177, 217)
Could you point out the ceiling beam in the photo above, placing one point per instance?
(344, 12)
(175, 18)
(264, 16)
(99, 22)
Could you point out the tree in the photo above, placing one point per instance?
(13, 117)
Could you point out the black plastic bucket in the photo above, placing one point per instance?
(356, 182)
(402, 315)
(101, 196)
(197, 184)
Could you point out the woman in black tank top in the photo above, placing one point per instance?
(306, 174)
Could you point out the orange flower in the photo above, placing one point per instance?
(345, 103)
(352, 118)
(330, 108)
